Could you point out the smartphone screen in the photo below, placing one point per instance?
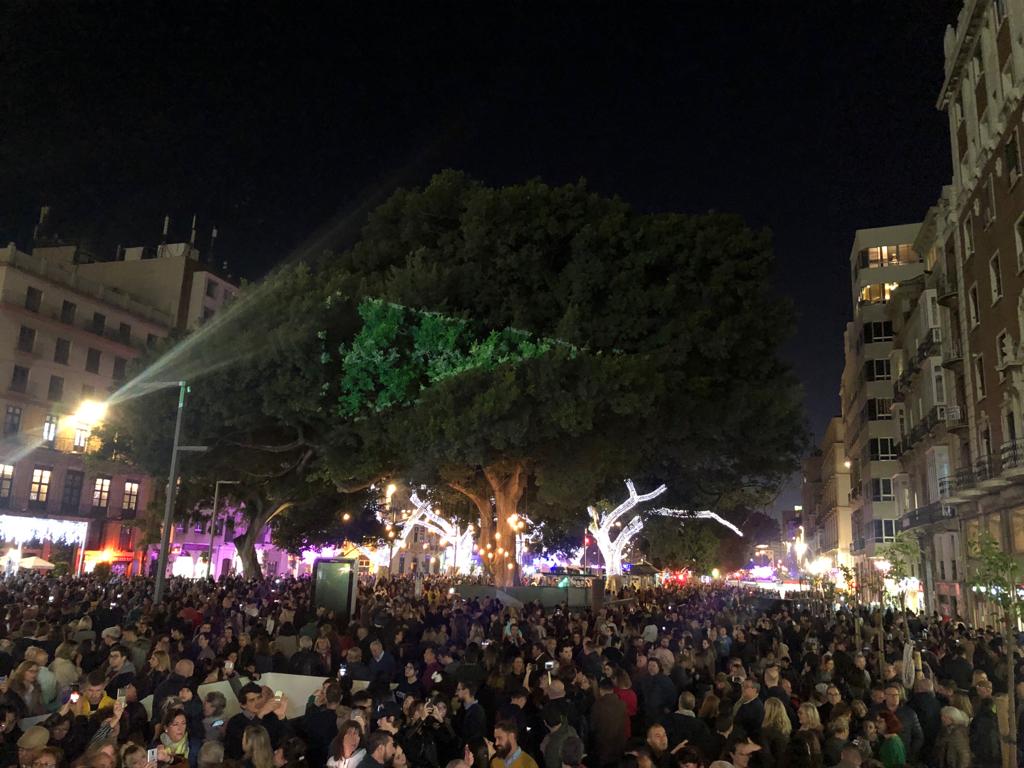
(151, 755)
(122, 696)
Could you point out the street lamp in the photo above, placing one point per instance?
(213, 520)
(172, 488)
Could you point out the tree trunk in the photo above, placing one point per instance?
(245, 544)
(506, 482)
(1010, 640)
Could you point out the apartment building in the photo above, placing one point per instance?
(984, 262)
(880, 260)
(65, 342)
(928, 399)
(68, 331)
(833, 523)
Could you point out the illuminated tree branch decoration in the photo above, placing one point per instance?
(460, 540)
(601, 527)
(613, 551)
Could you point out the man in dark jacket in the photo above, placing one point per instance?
(382, 663)
(749, 710)
(321, 724)
(657, 693)
(957, 668)
(607, 726)
(172, 686)
(926, 704)
(472, 718)
(986, 751)
(306, 661)
(912, 735)
(683, 724)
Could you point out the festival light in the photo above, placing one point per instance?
(20, 529)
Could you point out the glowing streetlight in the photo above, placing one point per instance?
(90, 413)
(346, 517)
(389, 493)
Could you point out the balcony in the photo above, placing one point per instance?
(947, 290)
(857, 545)
(956, 417)
(988, 472)
(1011, 455)
(929, 514)
(952, 354)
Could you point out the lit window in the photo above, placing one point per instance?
(130, 503)
(6, 481)
(12, 420)
(50, 429)
(40, 487)
(81, 439)
(101, 493)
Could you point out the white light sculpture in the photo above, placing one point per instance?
(601, 527)
(460, 540)
(612, 551)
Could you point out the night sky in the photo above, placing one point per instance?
(269, 120)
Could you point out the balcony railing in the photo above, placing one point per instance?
(1011, 454)
(935, 512)
(947, 289)
(956, 417)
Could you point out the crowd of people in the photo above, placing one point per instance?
(681, 677)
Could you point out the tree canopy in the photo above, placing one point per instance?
(571, 342)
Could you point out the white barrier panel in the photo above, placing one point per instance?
(28, 722)
(232, 708)
(298, 688)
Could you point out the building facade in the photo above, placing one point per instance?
(880, 260)
(68, 332)
(983, 258)
(833, 524)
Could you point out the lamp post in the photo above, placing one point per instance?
(388, 493)
(172, 488)
(213, 520)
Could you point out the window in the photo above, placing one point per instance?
(26, 339)
(939, 382)
(120, 368)
(995, 277)
(40, 487)
(67, 312)
(12, 420)
(19, 379)
(124, 539)
(877, 370)
(1011, 156)
(124, 333)
(99, 323)
(62, 352)
(33, 299)
(881, 489)
(882, 448)
(211, 289)
(978, 64)
(990, 208)
(101, 493)
(56, 390)
(979, 376)
(1018, 234)
(877, 293)
(151, 340)
(92, 360)
(6, 483)
(130, 502)
(942, 570)
(71, 499)
(884, 530)
(879, 330)
(968, 236)
(1004, 350)
(81, 440)
(207, 313)
(50, 429)
(972, 306)
(879, 409)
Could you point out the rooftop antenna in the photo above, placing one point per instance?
(44, 211)
(213, 239)
(192, 239)
(167, 226)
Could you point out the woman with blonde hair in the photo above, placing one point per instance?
(256, 746)
(775, 731)
(810, 722)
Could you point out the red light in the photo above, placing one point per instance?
(586, 541)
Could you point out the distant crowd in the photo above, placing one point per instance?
(682, 677)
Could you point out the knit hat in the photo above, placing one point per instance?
(35, 737)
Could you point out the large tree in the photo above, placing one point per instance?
(668, 367)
